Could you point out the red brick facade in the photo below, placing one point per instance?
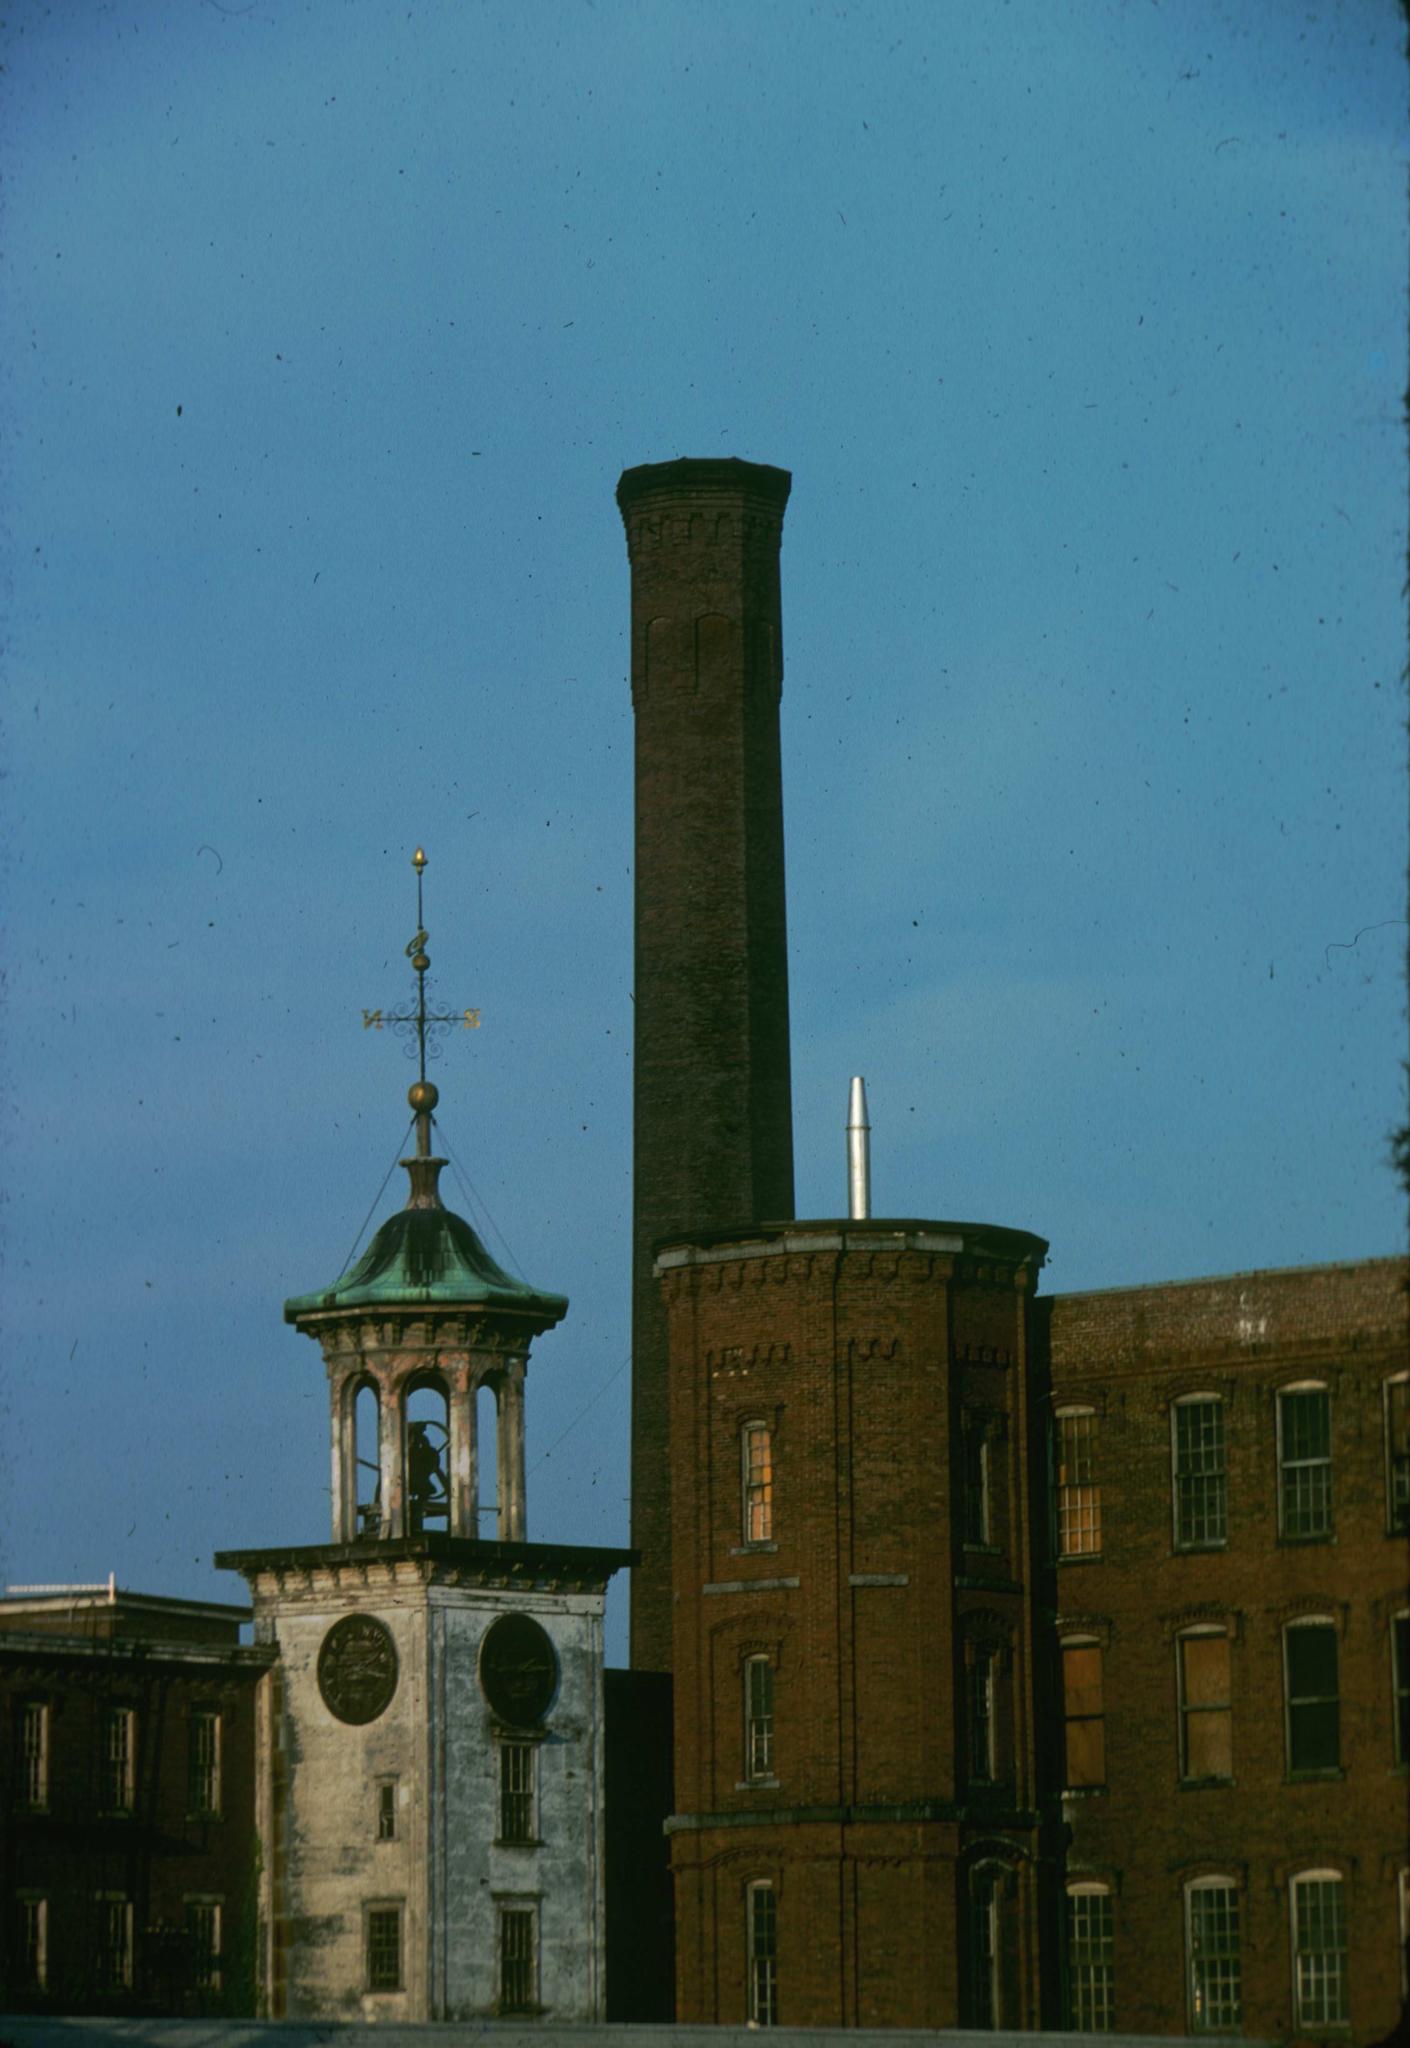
(712, 1115)
(908, 1500)
(127, 1836)
(1272, 1393)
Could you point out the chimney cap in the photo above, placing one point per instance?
(715, 474)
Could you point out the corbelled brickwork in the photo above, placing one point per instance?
(842, 1588)
(713, 1120)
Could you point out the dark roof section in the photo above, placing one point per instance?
(430, 1258)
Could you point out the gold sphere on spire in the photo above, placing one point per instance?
(423, 1095)
(418, 859)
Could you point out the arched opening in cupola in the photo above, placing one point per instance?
(487, 1462)
(367, 1461)
(427, 1413)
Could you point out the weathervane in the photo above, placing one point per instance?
(423, 1095)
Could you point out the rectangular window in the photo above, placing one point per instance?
(518, 1959)
(758, 1461)
(118, 1764)
(758, 1718)
(979, 1716)
(1305, 1463)
(762, 1939)
(1084, 1716)
(1397, 1398)
(34, 1753)
(114, 1942)
(384, 1948)
(1091, 1965)
(1201, 1478)
(32, 1943)
(205, 1763)
(516, 1792)
(203, 1933)
(1319, 1950)
(386, 1809)
(1079, 1498)
(1206, 1719)
(1314, 1709)
(976, 1483)
(1400, 1681)
(1212, 1940)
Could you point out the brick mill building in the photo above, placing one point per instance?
(1036, 1661)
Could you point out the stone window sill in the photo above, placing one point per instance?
(751, 1549)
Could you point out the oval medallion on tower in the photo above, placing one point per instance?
(357, 1668)
(518, 1669)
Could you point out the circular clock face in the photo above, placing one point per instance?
(357, 1668)
(518, 1669)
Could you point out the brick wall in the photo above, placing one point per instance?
(712, 1105)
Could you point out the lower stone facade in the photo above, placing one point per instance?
(433, 1850)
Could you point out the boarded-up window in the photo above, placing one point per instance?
(1084, 1716)
(1206, 1719)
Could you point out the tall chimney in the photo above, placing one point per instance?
(713, 1120)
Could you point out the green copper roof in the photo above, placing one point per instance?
(428, 1257)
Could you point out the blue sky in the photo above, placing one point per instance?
(329, 328)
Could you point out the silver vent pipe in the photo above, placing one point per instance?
(858, 1153)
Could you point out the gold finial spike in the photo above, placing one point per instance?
(418, 859)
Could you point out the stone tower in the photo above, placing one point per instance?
(430, 1743)
(713, 1138)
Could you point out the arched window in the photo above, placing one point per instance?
(1200, 1481)
(1206, 1715)
(1212, 1958)
(758, 1720)
(761, 1953)
(427, 1457)
(990, 1950)
(1318, 1911)
(1396, 1395)
(1091, 1959)
(1083, 1714)
(757, 1480)
(1077, 1496)
(1305, 1461)
(1312, 1696)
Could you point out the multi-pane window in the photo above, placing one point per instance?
(1397, 1400)
(384, 1948)
(1319, 1949)
(114, 1956)
(118, 1760)
(979, 1715)
(1091, 1960)
(1400, 1685)
(34, 1753)
(1206, 1718)
(203, 1933)
(976, 1481)
(1084, 1715)
(758, 1718)
(1313, 1705)
(761, 1939)
(984, 2002)
(32, 1942)
(516, 1791)
(204, 1761)
(1201, 1476)
(1305, 1462)
(518, 1958)
(1078, 1496)
(1212, 1951)
(386, 1809)
(757, 1456)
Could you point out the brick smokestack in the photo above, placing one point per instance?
(713, 1118)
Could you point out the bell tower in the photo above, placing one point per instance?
(430, 1745)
